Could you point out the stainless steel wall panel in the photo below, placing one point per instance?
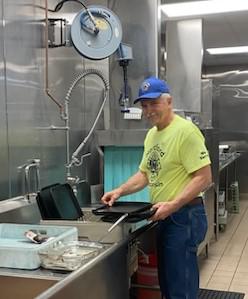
(23, 82)
(4, 169)
(230, 98)
(30, 111)
(230, 104)
(140, 22)
(26, 122)
(184, 60)
(65, 64)
(206, 102)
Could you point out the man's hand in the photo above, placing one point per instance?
(110, 197)
(163, 210)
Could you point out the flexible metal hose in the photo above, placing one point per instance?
(74, 159)
(84, 74)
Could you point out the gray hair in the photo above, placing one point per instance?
(165, 95)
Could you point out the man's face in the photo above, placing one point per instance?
(157, 111)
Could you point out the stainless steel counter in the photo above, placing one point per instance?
(100, 271)
(98, 278)
(19, 210)
(14, 203)
(34, 274)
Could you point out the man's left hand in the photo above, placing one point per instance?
(163, 210)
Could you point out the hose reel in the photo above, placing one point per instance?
(96, 33)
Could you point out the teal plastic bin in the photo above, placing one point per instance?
(16, 251)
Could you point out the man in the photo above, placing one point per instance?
(176, 167)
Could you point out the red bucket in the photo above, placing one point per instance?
(147, 275)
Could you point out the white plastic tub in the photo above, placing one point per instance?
(16, 251)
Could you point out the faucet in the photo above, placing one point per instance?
(74, 182)
(35, 164)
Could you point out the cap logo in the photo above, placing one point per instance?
(145, 86)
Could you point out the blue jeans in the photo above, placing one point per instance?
(178, 237)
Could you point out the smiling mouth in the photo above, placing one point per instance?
(151, 115)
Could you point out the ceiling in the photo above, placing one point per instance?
(223, 30)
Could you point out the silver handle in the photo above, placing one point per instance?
(117, 222)
(113, 226)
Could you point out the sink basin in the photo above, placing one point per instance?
(24, 288)
(19, 210)
(96, 231)
(13, 203)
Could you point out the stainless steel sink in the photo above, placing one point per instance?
(20, 210)
(13, 203)
(27, 284)
(96, 230)
(47, 284)
(23, 288)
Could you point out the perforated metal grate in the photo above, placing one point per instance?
(212, 294)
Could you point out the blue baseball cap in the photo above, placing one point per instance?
(152, 88)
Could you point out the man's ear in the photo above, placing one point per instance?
(169, 99)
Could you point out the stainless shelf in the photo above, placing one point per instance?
(229, 159)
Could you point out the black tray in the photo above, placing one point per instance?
(136, 211)
(57, 202)
(66, 202)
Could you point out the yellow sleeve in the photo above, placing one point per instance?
(193, 152)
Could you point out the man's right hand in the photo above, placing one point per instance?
(110, 197)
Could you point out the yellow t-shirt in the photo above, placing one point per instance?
(171, 156)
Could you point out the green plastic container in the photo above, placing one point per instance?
(16, 251)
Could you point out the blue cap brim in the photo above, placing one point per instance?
(148, 96)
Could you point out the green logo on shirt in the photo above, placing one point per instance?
(154, 156)
(203, 155)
